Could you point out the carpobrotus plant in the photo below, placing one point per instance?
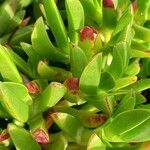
(75, 75)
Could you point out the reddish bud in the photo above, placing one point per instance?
(95, 120)
(108, 3)
(87, 33)
(134, 5)
(40, 136)
(4, 135)
(147, 51)
(72, 84)
(33, 87)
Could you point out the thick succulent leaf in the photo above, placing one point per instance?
(135, 127)
(59, 143)
(8, 70)
(142, 33)
(50, 96)
(126, 35)
(143, 8)
(145, 65)
(120, 59)
(22, 34)
(3, 112)
(109, 17)
(75, 14)
(15, 103)
(127, 103)
(22, 138)
(72, 127)
(124, 82)
(140, 99)
(87, 119)
(140, 85)
(93, 9)
(20, 63)
(33, 58)
(139, 54)
(78, 61)
(15, 21)
(95, 143)
(24, 3)
(90, 77)
(106, 82)
(123, 22)
(42, 44)
(139, 45)
(52, 73)
(57, 26)
(133, 69)
(6, 14)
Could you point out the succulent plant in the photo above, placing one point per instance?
(74, 75)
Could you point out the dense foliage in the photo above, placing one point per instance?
(74, 74)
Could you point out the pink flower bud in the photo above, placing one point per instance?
(108, 3)
(72, 84)
(32, 87)
(4, 135)
(40, 136)
(87, 33)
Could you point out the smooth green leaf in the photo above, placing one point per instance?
(106, 82)
(120, 59)
(124, 82)
(139, 54)
(140, 85)
(50, 96)
(72, 127)
(8, 70)
(90, 77)
(78, 61)
(22, 138)
(95, 143)
(22, 34)
(52, 73)
(15, 103)
(142, 33)
(42, 44)
(57, 26)
(133, 127)
(127, 103)
(75, 14)
(93, 9)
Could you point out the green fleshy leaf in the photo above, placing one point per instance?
(57, 26)
(22, 34)
(75, 15)
(142, 33)
(42, 44)
(107, 82)
(50, 96)
(22, 138)
(72, 127)
(135, 127)
(140, 85)
(90, 77)
(15, 103)
(124, 82)
(120, 59)
(8, 70)
(95, 143)
(52, 73)
(93, 9)
(78, 61)
(127, 103)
